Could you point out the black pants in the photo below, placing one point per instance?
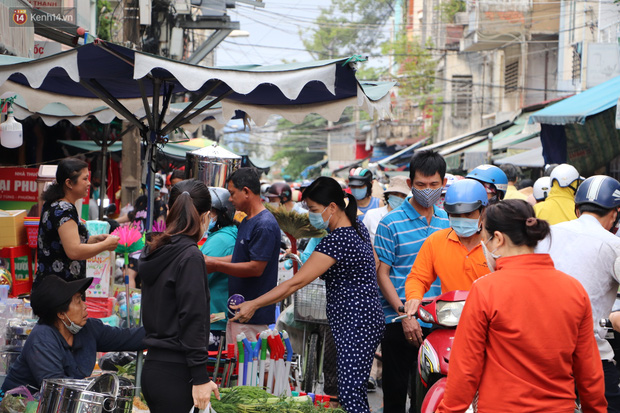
(399, 364)
(167, 387)
(612, 391)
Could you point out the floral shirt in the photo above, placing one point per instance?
(51, 256)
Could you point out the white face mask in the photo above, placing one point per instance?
(489, 255)
(73, 328)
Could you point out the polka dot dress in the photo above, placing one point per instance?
(354, 311)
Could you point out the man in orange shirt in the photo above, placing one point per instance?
(452, 254)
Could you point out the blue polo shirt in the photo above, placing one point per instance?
(400, 236)
(258, 239)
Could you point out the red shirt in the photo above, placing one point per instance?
(524, 341)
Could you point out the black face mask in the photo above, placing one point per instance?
(494, 199)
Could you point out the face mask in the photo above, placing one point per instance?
(489, 255)
(275, 205)
(95, 193)
(316, 219)
(426, 197)
(73, 328)
(464, 227)
(395, 201)
(212, 224)
(359, 193)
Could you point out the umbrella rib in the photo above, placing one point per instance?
(104, 95)
(191, 106)
(105, 47)
(198, 112)
(156, 85)
(145, 103)
(165, 105)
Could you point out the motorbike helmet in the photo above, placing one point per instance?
(282, 190)
(600, 190)
(549, 168)
(491, 174)
(465, 196)
(159, 182)
(220, 201)
(449, 180)
(361, 177)
(565, 175)
(541, 188)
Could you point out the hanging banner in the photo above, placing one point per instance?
(18, 184)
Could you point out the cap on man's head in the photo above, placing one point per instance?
(53, 291)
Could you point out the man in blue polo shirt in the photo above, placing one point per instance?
(399, 237)
(253, 266)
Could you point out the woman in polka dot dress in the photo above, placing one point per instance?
(354, 311)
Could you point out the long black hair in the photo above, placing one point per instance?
(68, 168)
(189, 199)
(325, 190)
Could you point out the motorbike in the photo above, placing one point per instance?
(444, 312)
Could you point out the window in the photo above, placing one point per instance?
(462, 92)
(511, 77)
(576, 63)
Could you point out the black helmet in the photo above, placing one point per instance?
(282, 190)
(220, 201)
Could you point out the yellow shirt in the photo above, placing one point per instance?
(513, 193)
(558, 207)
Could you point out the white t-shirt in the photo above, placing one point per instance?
(372, 219)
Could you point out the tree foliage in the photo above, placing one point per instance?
(416, 76)
(348, 27)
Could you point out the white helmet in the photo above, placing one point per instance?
(565, 174)
(542, 186)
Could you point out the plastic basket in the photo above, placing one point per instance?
(33, 235)
(100, 307)
(310, 303)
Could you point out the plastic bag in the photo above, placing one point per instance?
(109, 361)
(16, 400)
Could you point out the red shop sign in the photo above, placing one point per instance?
(18, 184)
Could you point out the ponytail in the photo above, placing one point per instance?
(351, 212)
(188, 201)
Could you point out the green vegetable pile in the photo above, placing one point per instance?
(246, 399)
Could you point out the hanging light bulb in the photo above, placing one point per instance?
(11, 134)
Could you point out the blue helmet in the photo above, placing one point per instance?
(600, 190)
(492, 175)
(465, 196)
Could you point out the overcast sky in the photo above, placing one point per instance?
(274, 32)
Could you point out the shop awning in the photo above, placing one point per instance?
(528, 159)
(177, 150)
(577, 108)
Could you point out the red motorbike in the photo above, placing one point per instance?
(443, 312)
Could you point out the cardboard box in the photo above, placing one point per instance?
(12, 229)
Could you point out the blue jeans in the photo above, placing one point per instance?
(612, 391)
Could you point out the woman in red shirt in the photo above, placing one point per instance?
(525, 338)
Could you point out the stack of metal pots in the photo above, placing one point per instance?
(212, 165)
(105, 394)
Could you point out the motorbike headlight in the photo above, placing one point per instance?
(449, 312)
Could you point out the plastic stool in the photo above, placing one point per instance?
(22, 286)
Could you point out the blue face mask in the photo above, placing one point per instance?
(395, 201)
(464, 227)
(359, 193)
(316, 219)
(212, 224)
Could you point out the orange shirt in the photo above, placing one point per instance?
(524, 341)
(443, 255)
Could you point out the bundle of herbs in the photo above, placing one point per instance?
(246, 399)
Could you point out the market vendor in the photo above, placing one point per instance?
(65, 342)
(63, 242)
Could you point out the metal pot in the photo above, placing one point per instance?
(74, 400)
(105, 394)
(51, 392)
(212, 165)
